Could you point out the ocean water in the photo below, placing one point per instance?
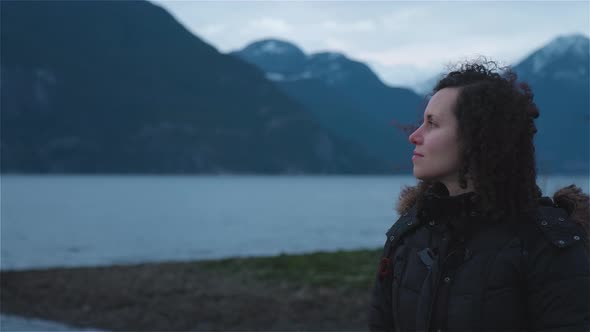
(17, 323)
(54, 221)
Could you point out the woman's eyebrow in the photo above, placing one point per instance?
(429, 117)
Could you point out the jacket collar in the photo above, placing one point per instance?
(572, 199)
(436, 203)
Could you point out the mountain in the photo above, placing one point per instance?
(564, 60)
(558, 75)
(122, 87)
(345, 95)
(277, 58)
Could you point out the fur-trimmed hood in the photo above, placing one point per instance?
(407, 198)
(570, 198)
(576, 203)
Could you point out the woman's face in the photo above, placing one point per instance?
(436, 155)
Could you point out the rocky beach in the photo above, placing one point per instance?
(319, 291)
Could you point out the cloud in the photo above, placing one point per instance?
(405, 18)
(358, 26)
(404, 75)
(269, 25)
(212, 29)
(337, 45)
(437, 54)
(407, 37)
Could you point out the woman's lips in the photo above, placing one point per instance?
(416, 156)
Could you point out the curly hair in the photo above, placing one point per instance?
(495, 116)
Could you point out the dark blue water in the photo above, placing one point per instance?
(49, 221)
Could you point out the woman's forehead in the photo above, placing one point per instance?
(442, 103)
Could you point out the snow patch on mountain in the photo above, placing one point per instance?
(306, 75)
(273, 47)
(277, 77)
(576, 45)
(570, 75)
(334, 67)
(334, 55)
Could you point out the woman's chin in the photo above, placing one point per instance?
(419, 175)
(424, 177)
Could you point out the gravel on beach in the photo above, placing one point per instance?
(182, 296)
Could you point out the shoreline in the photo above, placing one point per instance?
(316, 291)
(17, 323)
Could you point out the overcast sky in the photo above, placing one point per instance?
(404, 42)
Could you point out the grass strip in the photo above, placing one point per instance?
(347, 269)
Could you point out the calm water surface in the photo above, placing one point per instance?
(49, 221)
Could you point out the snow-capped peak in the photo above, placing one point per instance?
(273, 47)
(329, 56)
(334, 55)
(577, 45)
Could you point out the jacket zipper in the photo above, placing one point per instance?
(437, 276)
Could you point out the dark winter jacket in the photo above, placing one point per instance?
(447, 267)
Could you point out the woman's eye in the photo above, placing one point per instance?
(430, 123)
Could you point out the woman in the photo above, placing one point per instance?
(476, 247)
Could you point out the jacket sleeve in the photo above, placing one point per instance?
(558, 287)
(376, 315)
(380, 309)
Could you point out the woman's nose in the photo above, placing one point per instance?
(415, 137)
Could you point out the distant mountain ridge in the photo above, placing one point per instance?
(345, 95)
(558, 73)
(559, 76)
(549, 61)
(122, 87)
(277, 58)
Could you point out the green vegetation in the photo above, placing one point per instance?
(346, 269)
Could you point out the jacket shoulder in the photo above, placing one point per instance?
(577, 205)
(564, 219)
(557, 227)
(406, 222)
